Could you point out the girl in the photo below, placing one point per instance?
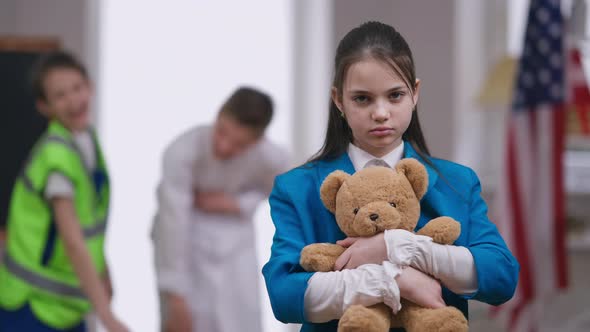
(373, 120)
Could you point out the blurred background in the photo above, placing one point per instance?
(160, 67)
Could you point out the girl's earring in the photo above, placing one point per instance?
(342, 115)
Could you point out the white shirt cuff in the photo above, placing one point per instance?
(391, 294)
(402, 246)
(329, 294)
(452, 265)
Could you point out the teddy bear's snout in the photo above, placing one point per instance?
(374, 216)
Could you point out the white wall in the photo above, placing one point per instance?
(314, 49)
(8, 8)
(164, 67)
(64, 19)
(470, 61)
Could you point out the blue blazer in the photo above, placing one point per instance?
(300, 218)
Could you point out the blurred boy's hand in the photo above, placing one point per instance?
(108, 286)
(114, 325)
(215, 202)
(178, 316)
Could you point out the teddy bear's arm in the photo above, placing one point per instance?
(320, 257)
(443, 230)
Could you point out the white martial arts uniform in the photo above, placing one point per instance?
(210, 259)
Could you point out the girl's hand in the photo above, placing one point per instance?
(420, 288)
(370, 250)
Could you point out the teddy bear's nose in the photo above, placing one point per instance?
(374, 216)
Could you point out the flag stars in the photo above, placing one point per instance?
(533, 32)
(527, 79)
(540, 78)
(554, 30)
(544, 76)
(555, 60)
(527, 50)
(543, 46)
(519, 98)
(555, 91)
(542, 15)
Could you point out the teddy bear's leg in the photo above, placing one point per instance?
(418, 319)
(358, 318)
(443, 230)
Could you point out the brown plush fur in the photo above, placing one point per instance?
(371, 201)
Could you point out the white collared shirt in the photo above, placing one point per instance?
(360, 158)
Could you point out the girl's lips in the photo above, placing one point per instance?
(381, 131)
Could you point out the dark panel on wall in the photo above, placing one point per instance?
(20, 123)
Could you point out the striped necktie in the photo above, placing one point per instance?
(376, 162)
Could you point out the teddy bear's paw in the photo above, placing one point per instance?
(320, 256)
(447, 319)
(362, 319)
(444, 230)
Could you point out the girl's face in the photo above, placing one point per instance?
(377, 105)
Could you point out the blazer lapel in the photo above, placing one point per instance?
(342, 163)
(409, 152)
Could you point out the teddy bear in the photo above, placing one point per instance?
(370, 201)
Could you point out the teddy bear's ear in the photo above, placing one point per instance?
(330, 188)
(416, 173)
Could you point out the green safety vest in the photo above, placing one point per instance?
(36, 269)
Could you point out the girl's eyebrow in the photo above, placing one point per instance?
(361, 91)
(397, 88)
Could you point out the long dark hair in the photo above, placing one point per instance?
(379, 41)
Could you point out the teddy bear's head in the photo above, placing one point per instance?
(375, 199)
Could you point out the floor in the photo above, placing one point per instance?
(566, 312)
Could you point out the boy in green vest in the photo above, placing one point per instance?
(53, 263)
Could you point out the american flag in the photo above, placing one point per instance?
(530, 198)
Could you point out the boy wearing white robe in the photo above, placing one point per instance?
(213, 179)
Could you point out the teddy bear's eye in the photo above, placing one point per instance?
(355, 211)
(393, 204)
